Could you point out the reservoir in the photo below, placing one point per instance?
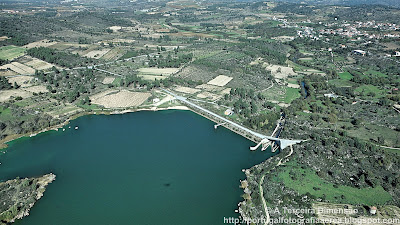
(143, 168)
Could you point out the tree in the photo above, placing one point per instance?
(4, 84)
(16, 86)
(332, 118)
(381, 140)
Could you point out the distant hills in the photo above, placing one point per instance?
(391, 3)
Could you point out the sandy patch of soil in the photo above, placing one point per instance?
(41, 43)
(6, 95)
(157, 71)
(108, 80)
(3, 38)
(280, 72)
(164, 30)
(18, 68)
(220, 80)
(208, 95)
(66, 110)
(208, 87)
(120, 99)
(37, 89)
(152, 77)
(97, 54)
(39, 64)
(284, 38)
(256, 61)
(120, 40)
(6, 72)
(293, 85)
(164, 100)
(391, 46)
(226, 91)
(187, 90)
(23, 81)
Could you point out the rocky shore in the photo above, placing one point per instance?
(18, 196)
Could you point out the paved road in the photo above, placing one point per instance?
(282, 142)
(105, 71)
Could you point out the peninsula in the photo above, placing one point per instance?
(18, 196)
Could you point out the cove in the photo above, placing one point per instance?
(145, 168)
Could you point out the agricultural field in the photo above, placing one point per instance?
(208, 95)
(114, 54)
(345, 76)
(38, 64)
(97, 54)
(6, 95)
(62, 111)
(261, 60)
(18, 68)
(220, 80)
(36, 89)
(375, 73)
(41, 43)
(281, 72)
(108, 80)
(22, 81)
(370, 90)
(291, 94)
(306, 181)
(156, 73)
(120, 99)
(186, 90)
(11, 52)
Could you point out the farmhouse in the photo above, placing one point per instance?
(228, 112)
(331, 95)
(359, 52)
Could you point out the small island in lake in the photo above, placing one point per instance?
(18, 196)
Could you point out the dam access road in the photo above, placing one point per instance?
(283, 143)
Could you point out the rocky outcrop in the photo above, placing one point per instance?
(18, 196)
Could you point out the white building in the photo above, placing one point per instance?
(359, 52)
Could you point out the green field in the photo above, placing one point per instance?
(345, 76)
(307, 181)
(129, 54)
(375, 73)
(291, 94)
(306, 59)
(372, 132)
(341, 83)
(5, 113)
(369, 89)
(116, 82)
(11, 52)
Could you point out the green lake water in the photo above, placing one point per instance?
(143, 168)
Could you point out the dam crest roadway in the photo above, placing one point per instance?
(283, 143)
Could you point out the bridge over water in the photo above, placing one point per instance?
(283, 143)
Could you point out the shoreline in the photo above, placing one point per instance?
(4, 145)
(116, 111)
